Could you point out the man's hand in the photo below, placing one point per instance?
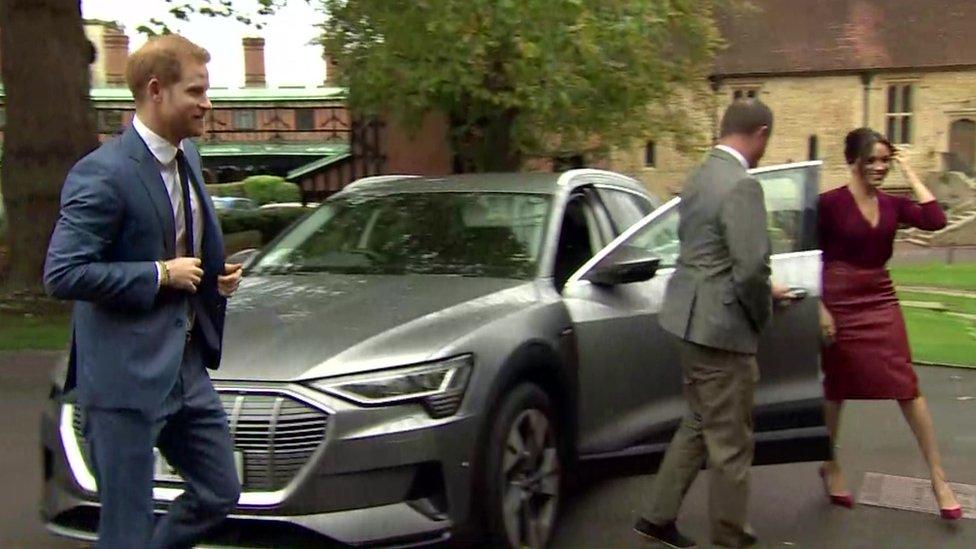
(184, 273)
(781, 293)
(784, 295)
(227, 283)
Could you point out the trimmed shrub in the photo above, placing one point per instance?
(227, 189)
(268, 222)
(263, 189)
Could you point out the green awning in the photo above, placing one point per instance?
(272, 149)
(315, 165)
(220, 96)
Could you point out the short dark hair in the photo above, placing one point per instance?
(745, 116)
(859, 144)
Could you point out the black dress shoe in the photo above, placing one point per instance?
(666, 534)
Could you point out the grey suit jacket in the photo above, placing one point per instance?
(719, 295)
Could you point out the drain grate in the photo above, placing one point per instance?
(912, 494)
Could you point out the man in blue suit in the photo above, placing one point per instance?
(138, 247)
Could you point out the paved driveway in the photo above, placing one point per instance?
(788, 507)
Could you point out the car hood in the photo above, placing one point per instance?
(299, 327)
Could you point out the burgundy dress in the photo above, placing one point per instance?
(870, 358)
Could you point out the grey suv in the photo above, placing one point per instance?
(422, 359)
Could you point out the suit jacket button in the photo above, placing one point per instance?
(179, 323)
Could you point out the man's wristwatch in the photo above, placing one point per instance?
(163, 273)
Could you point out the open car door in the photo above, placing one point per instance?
(630, 379)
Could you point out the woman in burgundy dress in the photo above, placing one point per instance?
(866, 353)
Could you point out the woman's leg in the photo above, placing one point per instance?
(917, 414)
(835, 477)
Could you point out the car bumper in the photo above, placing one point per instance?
(389, 475)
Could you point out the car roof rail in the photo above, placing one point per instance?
(379, 179)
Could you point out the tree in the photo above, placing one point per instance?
(519, 78)
(45, 58)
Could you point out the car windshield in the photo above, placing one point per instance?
(458, 233)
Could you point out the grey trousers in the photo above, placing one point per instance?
(719, 387)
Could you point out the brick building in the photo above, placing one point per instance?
(254, 129)
(904, 67)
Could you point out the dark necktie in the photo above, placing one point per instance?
(184, 171)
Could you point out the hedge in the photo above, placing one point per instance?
(262, 189)
(268, 222)
(227, 189)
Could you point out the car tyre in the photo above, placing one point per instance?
(523, 481)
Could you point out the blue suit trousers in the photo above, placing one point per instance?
(191, 431)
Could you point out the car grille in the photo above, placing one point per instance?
(276, 434)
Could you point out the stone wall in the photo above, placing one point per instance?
(824, 107)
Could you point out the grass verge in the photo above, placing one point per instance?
(959, 276)
(26, 331)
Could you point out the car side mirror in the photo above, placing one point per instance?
(244, 257)
(623, 266)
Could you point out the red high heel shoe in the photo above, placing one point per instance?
(951, 514)
(842, 500)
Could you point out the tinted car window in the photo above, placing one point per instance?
(660, 237)
(790, 219)
(470, 234)
(624, 208)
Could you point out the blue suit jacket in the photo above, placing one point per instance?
(116, 220)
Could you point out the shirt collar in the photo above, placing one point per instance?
(735, 154)
(163, 150)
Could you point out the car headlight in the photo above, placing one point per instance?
(438, 385)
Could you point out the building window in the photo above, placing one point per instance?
(244, 120)
(650, 155)
(568, 162)
(305, 119)
(745, 93)
(812, 152)
(109, 121)
(898, 119)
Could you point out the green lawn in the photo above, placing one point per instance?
(960, 276)
(937, 337)
(959, 304)
(20, 332)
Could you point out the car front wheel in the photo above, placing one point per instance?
(524, 473)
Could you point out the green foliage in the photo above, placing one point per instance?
(269, 222)
(263, 189)
(526, 77)
(227, 189)
(183, 10)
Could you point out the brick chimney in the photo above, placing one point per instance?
(115, 50)
(253, 62)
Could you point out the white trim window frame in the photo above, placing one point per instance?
(900, 111)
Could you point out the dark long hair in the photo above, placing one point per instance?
(859, 144)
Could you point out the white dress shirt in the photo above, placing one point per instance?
(735, 154)
(165, 154)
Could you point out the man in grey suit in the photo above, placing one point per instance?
(138, 247)
(717, 302)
